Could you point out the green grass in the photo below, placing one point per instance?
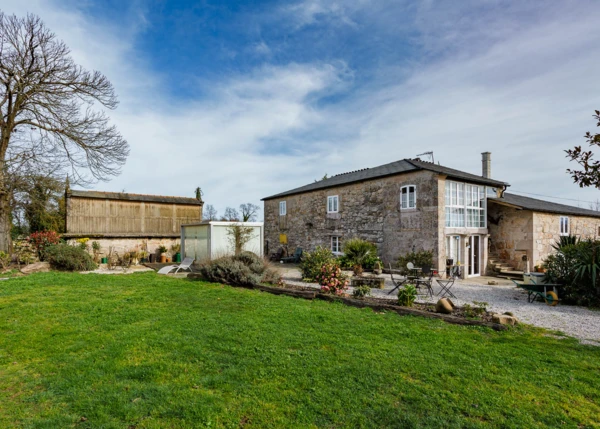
(142, 351)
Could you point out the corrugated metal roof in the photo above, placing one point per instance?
(134, 197)
(391, 169)
(527, 203)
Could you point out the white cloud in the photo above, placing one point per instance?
(526, 94)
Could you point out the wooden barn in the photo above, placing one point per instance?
(128, 221)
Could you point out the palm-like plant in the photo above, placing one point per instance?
(357, 250)
(565, 241)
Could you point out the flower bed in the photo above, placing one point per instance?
(458, 317)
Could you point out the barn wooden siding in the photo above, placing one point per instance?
(127, 217)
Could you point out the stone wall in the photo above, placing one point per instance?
(369, 210)
(511, 234)
(122, 245)
(515, 233)
(547, 232)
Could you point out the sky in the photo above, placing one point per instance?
(248, 99)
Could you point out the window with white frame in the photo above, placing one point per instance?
(333, 204)
(475, 200)
(465, 205)
(408, 197)
(282, 208)
(336, 245)
(564, 225)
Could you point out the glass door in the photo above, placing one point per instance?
(475, 255)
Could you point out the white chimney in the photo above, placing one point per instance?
(486, 161)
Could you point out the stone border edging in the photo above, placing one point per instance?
(308, 294)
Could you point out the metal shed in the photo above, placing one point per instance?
(210, 239)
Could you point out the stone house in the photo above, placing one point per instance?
(128, 221)
(523, 229)
(407, 205)
(412, 205)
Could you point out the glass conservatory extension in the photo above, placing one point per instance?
(465, 205)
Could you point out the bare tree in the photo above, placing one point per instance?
(595, 205)
(249, 212)
(51, 112)
(209, 212)
(238, 236)
(231, 215)
(590, 173)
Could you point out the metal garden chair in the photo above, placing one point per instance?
(447, 284)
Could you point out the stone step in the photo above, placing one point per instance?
(499, 262)
(511, 274)
(499, 267)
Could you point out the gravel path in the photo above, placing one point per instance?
(578, 322)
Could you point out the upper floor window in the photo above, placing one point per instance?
(465, 205)
(564, 225)
(408, 197)
(333, 204)
(282, 208)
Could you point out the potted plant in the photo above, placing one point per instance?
(134, 257)
(143, 256)
(377, 268)
(162, 250)
(358, 270)
(176, 251)
(96, 251)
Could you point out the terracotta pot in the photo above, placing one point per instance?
(163, 258)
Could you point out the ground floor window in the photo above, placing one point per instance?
(336, 245)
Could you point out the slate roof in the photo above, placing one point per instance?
(134, 197)
(391, 169)
(527, 203)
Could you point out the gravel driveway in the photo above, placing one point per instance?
(578, 322)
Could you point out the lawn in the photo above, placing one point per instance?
(143, 351)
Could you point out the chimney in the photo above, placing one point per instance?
(486, 161)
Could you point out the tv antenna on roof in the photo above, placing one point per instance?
(429, 154)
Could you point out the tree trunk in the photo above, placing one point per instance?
(5, 224)
(5, 206)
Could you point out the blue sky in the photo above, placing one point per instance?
(247, 99)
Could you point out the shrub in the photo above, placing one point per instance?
(83, 243)
(476, 310)
(69, 258)
(312, 262)
(331, 279)
(407, 295)
(245, 269)
(576, 265)
(422, 258)
(361, 291)
(4, 260)
(359, 252)
(24, 251)
(41, 240)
